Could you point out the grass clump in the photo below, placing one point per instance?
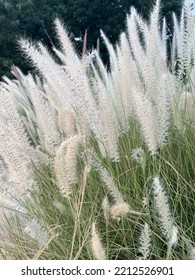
(97, 163)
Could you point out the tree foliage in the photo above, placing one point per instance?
(33, 18)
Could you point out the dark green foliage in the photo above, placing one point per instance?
(33, 19)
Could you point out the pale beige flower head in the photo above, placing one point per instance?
(117, 211)
(174, 237)
(106, 208)
(145, 242)
(163, 208)
(96, 244)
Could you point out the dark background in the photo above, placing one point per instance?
(34, 19)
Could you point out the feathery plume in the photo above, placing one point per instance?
(46, 117)
(112, 54)
(96, 244)
(162, 205)
(65, 165)
(106, 209)
(66, 44)
(110, 184)
(145, 242)
(173, 240)
(119, 210)
(17, 159)
(147, 118)
(153, 98)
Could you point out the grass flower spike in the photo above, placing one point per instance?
(162, 206)
(96, 244)
(145, 242)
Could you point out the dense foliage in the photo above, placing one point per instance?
(33, 19)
